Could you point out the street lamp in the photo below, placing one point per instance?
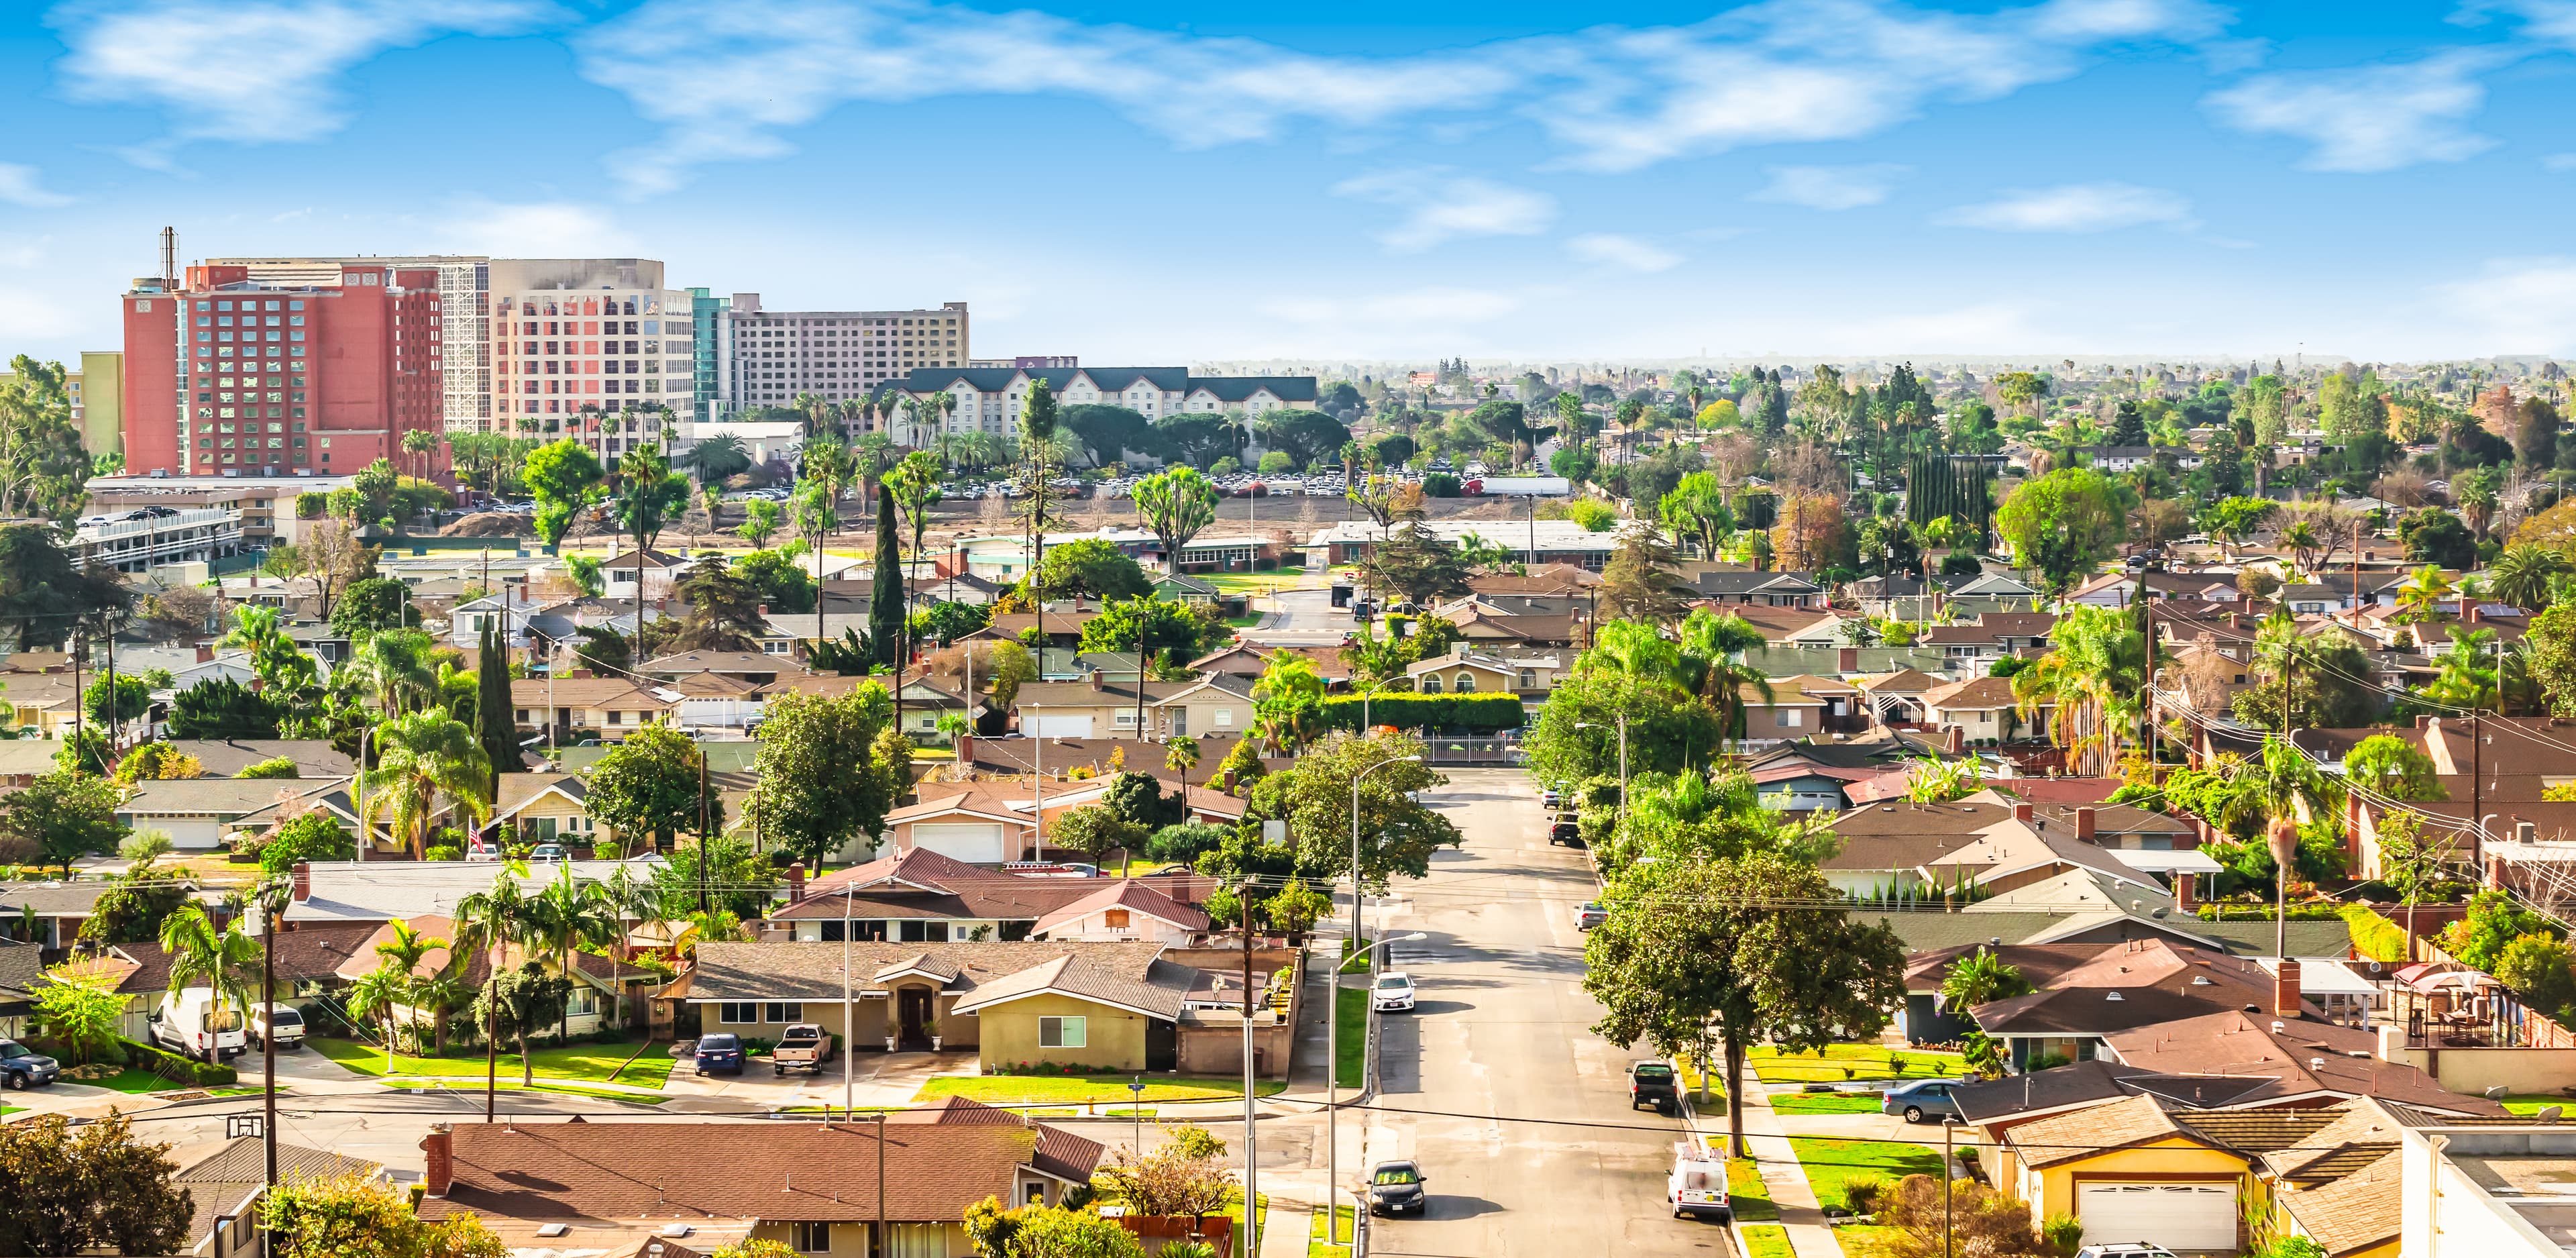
(1333, 1083)
(1355, 836)
(1333, 1053)
(1623, 756)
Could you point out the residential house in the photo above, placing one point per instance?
(200, 813)
(223, 758)
(1493, 632)
(1464, 670)
(2120, 589)
(1983, 710)
(1017, 757)
(753, 667)
(225, 1181)
(376, 892)
(918, 895)
(1218, 703)
(59, 908)
(1884, 847)
(1896, 698)
(307, 965)
(23, 760)
(660, 574)
(1786, 714)
(1728, 589)
(593, 986)
(22, 971)
(1128, 909)
(575, 707)
(46, 703)
(1793, 626)
(1533, 543)
(652, 1190)
(993, 823)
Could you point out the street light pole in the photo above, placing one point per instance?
(1333, 1083)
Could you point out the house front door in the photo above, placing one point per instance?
(912, 1011)
(1180, 722)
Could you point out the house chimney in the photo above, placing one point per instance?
(966, 748)
(2423, 720)
(2021, 812)
(2187, 891)
(303, 881)
(795, 883)
(1847, 659)
(205, 654)
(2524, 831)
(1098, 682)
(2084, 819)
(2285, 990)
(2495, 871)
(2460, 607)
(440, 1171)
(2476, 615)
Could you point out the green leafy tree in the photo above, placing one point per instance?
(2062, 525)
(1095, 830)
(886, 596)
(647, 786)
(44, 470)
(496, 717)
(273, 767)
(1178, 504)
(423, 757)
(1314, 798)
(827, 772)
(64, 815)
(2536, 967)
(221, 708)
(314, 835)
(2494, 921)
(2232, 520)
(1738, 946)
(518, 1003)
(133, 697)
(1696, 511)
(361, 1216)
(1092, 568)
(373, 604)
(564, 476)
(1412, 564)
(91, 1189)
(761, 520)
(1981, 977)
(80, 1006)
(2395, 768)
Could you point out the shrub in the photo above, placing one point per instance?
(2063, 1233)
(273, 767)
(178, 1069)
(1468, 713)
(1862, 1192)
(1979, 1220)
(2373, 935)
(2043, 1061)
(445, 853)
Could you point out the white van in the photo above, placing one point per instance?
(190, 1022)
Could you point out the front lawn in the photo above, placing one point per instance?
(1747, 1193)
(576, 1063)
(1767, 1240)
(1832, 1161)
(1085, 1089)
(131, 1080)
(1826, 1103)
(1868, 1240)
(1854, 1061)
(1342, 1219)
(1350, 1059)
(2530, 1103)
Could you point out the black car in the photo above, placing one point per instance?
(24, 1067)
(1396, 1188)
(1654, 1083)
(720, 1054)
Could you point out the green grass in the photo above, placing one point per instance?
(1747, 1193)
(1085, 1089)
(1342, 1218)
(1767, 1240)
(7, 1110)
(1831, 1162)
(2528, 1103)
(513, 1085)
(131, 1080)
(575, 1063)
(1826, 1103)
(1255, 582)
(1867, 1241)
(1350, 1061)
(1853, 1061)
(1247, 620)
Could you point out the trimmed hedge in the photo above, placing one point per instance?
(2374, 935)
(1469, 713)
(178, 1069)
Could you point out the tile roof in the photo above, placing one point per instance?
(232, 1171)
(1126, 893)
(810, 1172)
(318, 951)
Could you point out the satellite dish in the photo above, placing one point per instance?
(2548, 1114)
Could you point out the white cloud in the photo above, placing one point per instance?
(2559, 163)
(1625, 252)
(726, 79)
(2074, 208)
(24, 185)
(2370, 118)
(256, 70)
(531, 230)
(1442, 206)
(1831, 187)
(2519, 305)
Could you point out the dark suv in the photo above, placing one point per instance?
(24, 1067)
(1653, 1083)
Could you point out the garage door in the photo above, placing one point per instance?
(979, 843)
(2180, 1217)
(1063, 726)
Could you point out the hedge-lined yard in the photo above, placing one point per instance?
(1467, 714)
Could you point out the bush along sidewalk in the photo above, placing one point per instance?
(180, 1071)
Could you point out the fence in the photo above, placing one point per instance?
(1465, 751)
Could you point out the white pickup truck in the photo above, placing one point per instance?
(803, 1045)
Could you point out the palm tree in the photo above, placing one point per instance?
(1978, 978)
(489, 924)
(2091, 682)
(405, 949)
(221, 959)
(438, 993)
(395, 664)
(648, 494)
(420, 443)
(2424, 593)
(377, 994)
(626, 898)
(567, 914)
(423, 756)
(2524, 574)
(1182, 755)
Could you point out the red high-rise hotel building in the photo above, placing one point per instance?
(234, 375)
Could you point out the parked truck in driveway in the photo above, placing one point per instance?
(804, 1046)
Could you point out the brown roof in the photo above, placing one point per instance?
(1059, 1152)
(226, 1176)
(583, 692)
(308, 950)
(812, 971)
(2306, 1058)
(2084, 1133)
(1126, 893)
(2357, 1212)
(2263, 1130)
(810, 1172)
(2360, 1133)
(1975, 693)
(1902, 835)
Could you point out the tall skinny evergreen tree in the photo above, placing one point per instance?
(885, 594)
(496, 726)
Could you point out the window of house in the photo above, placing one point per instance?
(1431, 683)
(738, 1013)
(810, 1238)
(1061, 1032)
(782, 1011)
(1114, 919)
(1465, 684)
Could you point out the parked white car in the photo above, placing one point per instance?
(1393, 992)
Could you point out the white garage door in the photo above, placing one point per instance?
(979, 843)
(2180, 1217)
(1063, 726)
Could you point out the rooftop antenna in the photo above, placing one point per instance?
(169, 259)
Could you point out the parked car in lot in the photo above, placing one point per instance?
(1396, 1188)
(803, 1046)
(1654, 1083)
(1697, 1185)
(720, 1054)
(1590, 914)
(288, 1031)
(1917, 1101)
(1393, 992)
(23, 1067)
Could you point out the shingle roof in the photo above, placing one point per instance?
(812, 971)
(2305, 1059)
(1060, 1152)
(227, 1176)
(811, 1172)
(2359, 1211)
(2084, 1133)
(1126, 893)
(314, 758)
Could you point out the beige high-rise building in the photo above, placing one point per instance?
(768, 357)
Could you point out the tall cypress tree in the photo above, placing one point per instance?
(885, 595)
(498, 728)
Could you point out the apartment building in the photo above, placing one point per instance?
(768, 357)
(988, 398)
(591, 348)
(225, 374)
(97, 392)
(465, 369)
(264, 504)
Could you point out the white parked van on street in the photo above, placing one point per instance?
(190, 1022)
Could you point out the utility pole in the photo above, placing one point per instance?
(1251, 1134)
(704, 901)
(849, 1008)
(881, 1201)
(268, 910)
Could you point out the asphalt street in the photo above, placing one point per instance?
(1496, 1084)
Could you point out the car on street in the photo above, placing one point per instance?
(2125, 1249)
(289, 1028)
(1550, 800)
(1590, 914)
(1929, 1098)
(545, 853)
(1696, 1187)
(23, 1067)
(1654, 1083)
(1392, 993)
(1566, 830)
(1396, 1188)
(720, 1054)
(803, 1046)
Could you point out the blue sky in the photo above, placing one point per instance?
(1149, 181)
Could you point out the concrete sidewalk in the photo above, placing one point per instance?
(1781, 1174)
